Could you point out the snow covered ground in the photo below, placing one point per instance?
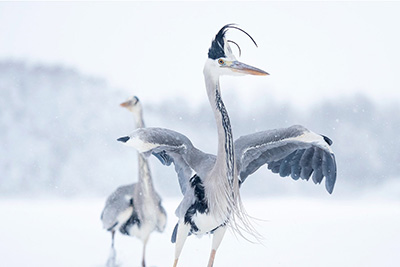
(297, 232)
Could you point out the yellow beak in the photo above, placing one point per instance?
(244, 68)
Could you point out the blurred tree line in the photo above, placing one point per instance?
(59, 129)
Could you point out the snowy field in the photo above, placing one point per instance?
(297, 232)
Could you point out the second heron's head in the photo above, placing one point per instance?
(221, 60)
(132, 104)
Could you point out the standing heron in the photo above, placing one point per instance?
(210, 184)
(134, 209)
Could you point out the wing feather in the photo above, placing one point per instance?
(293, 151)
(171, 147)
(294, 163)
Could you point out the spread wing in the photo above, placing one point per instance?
(171, 147)
(293, 151)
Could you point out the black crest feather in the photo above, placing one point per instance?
(218, 44)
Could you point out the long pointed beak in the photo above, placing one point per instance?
(245, 69)
(125, 104)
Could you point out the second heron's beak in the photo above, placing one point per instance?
(240, 67)
(125, 104)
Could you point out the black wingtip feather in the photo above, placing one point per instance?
(123, 139)
(327, 139)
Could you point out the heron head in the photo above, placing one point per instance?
(221, 58)
(132, 104)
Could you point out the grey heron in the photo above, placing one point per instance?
(134, 209)
(210, 183)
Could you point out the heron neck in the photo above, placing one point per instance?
(139, 119)
(145, 180)
(225, 153)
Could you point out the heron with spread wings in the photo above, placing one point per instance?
(210, 183)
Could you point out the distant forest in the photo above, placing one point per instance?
(59, 130)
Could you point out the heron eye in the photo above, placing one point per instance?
(221, 61)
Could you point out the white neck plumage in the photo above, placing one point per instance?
(139, 118)
(145, 181)
(223, 195)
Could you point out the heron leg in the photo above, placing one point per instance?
(112, 238)
(112, 256)
(144, 251)
(182, 233)
(217, 238)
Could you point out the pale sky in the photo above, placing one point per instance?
(156, 50)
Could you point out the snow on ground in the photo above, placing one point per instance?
(297, 232)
